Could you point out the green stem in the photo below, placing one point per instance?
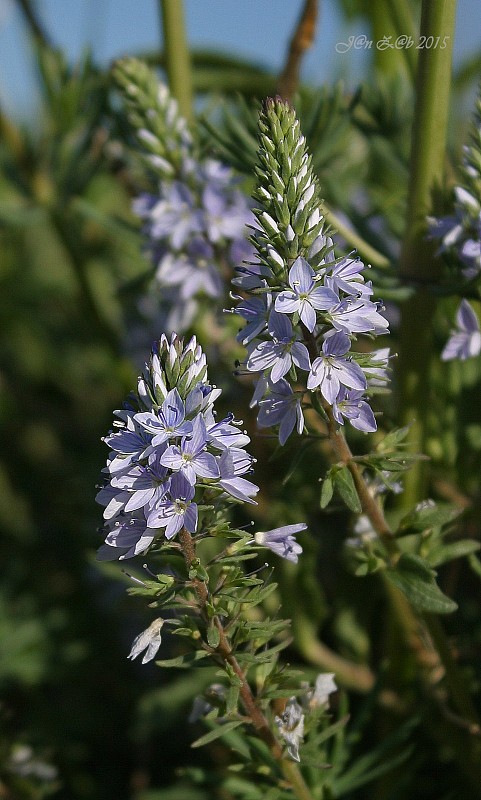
(177, 57)
(302, 40)
(351, 675)
(417, 255)
(390, 60)
(402, 18)
(365, 250)
(34, 24)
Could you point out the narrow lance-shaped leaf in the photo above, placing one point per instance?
(344, 483)
(417, 581)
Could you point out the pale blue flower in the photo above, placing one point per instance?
(256, 311)
(225, 434)
(158, 453)
(169, 421)
(306, 296)
(233, 463)
(225, 216)
(465, 342)
(130, 442)
(190, 457)
(146, 484)
(201, 399)
(357, 316)
(127, 537)
(194, 270)
(352, 405)
(281, 541)
(177, 511)
(281, 407)
(346, 276)
(281, 353)
(174, 216)
(333, 369)
(193, 229)
(461, 232)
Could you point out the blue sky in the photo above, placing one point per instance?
(257, 29)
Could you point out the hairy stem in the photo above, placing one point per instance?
(289, 769)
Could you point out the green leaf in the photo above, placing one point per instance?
(448, 552)
(327, 491)
(216, 733)
(345, 485)
(318, 739)
(428, 515)
(414, 577)
(184, 661)
(213, 636)
(475, 564)
(350, 780)
(232, 699)
(393, 439)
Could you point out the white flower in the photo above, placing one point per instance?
(291, 727)
(324, 686)
(149, 640)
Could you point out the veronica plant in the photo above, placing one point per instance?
(194, 217)
(302, 296)
(172, 470)
(305, 310)
(460, 240)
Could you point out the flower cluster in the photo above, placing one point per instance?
(166, 452)
(460, 237)
(194, 221)
(195, 227)
(304, 307)
(166, 445)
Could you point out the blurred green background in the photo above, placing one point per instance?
(68, 248)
